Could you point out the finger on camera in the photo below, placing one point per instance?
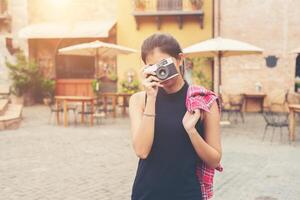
(153, 78)
(154, 84)
(148, 73)
(158, 84)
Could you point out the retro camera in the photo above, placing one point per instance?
(164, 70)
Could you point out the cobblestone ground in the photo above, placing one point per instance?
(45, 161)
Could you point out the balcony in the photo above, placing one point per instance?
(159, 9)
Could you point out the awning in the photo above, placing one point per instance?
(83, 29)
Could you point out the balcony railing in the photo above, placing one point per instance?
(167, 5)
(162, 8)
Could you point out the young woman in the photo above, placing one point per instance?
(168, 139)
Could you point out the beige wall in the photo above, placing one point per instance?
(273, 25)
(70, 10)
(128, 35)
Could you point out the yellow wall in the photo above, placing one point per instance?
(128, 35)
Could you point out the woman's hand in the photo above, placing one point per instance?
(190, 119)
(151, 84)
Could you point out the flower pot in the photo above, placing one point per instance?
(196, 5)
(28, 98)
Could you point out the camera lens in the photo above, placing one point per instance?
(162, 73)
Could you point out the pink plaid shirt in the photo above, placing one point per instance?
(201, 98)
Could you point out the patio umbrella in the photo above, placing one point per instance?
(98, 49)
(221, 47)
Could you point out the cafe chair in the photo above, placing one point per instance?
(54, 110)
(123, 106)
(99, 113)
(236, 103)
(109, 107)
(73, 108)
(87, 112)
(275, 120)
(282, 104)
(225, 106)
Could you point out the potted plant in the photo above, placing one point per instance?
(48, 88)
(196, 4)
(130, 87)
(26, 79)
(113, 76)
(96, 85)
(140, 4)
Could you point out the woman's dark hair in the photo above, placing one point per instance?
(165, 42)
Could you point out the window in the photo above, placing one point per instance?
(77, 67)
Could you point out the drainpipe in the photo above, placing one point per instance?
(213, 35)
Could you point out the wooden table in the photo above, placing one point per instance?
(293, 108)
(258, 96)
(114, 97)
(66, 99)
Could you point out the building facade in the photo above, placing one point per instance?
(136, 20)
(272, 25)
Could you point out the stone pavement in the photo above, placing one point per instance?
(42, 161)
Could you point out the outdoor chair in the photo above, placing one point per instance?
(236, 103)
(73, 108)
(275, 120)
(99, 113)
(225, 106)
(109, 106)
(123, 105)
(87, 111)
(53, 109)
(282, 105)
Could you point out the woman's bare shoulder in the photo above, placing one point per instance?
(138, 99)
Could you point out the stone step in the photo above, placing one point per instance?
(3, 106)
(12, 117)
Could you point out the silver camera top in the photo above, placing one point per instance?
(164, 69)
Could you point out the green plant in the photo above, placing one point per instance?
(48, 87)
(196, 3)
(25, 76)
(130, 87)
(96, 85)
(112, 76)
(198, 75)
(141, 4)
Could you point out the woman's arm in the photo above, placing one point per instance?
(208, 149)
(142, 116)
(142, 126)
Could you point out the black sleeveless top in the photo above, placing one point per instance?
(169, 171)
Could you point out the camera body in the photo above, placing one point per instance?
(164, 70)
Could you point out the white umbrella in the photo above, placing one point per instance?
(98, 49)
(220, 47)
(95, 48)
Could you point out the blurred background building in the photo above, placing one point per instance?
(41, 27)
